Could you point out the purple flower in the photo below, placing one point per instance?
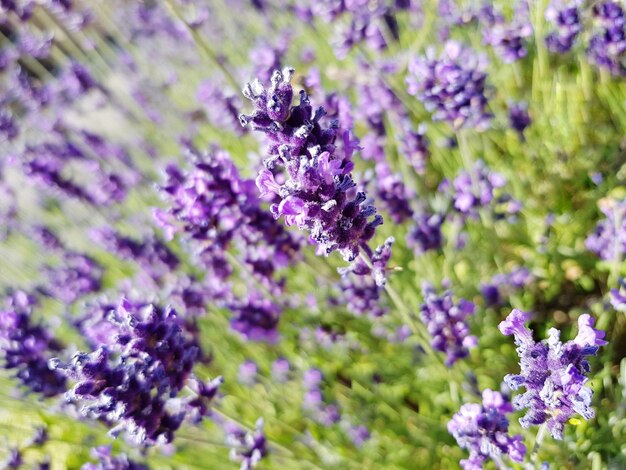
(361, 286)
(565, 16)
(607, 48)
(451, 87)
(507, 39)
(608, 240)
(484, 431)
(425, 231)
(256, 318)
(281, 370)
(319, 194)
(617, 296)
(314, 405)
(14, 460)
(216, 208)
(553, 373)
(248, 448)
(25, 348)
(150, 253)
(392, 192)
(447, 323)
(132, 381)
(222, 109)
(77, 276)
(477, 188)
(106, 461)
(502, 286)
(519, 118)
(247, 374)
(415, 147)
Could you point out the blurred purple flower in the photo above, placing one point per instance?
(608, 240)
(452, 86)
(446, 322)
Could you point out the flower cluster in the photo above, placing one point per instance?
(476, 188)
(447, 323)
(502, 286)
(553, 373)
(607, 48)
(484, 431)
(248, 448)
(256, 318)
(216, 208)
(507, 39)
(26, 347)
(617, 296)
(132, 381)
(519, 118)
(106, 461)
(608, 240)
(77, 276)
(319, 194)
(425, 232)
(565, 16)
(452, 86)
(323, 413)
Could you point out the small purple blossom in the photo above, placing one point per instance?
(553, 373)
(452, 87)
(106, 461)
(607, 48)
(617, 296)
(502, 286)
(26, 347)
(256, 318)
(484, 431)
(507, 39)
(566, 20)
(519, 118)
(608, 240)
(446, 321)
(477, 188)
(247, 447)
(77, 276)
(425, 231)
(415, 147)
(281, 370)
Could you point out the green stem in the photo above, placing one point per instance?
(541, 434)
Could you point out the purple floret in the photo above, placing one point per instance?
(484, 431)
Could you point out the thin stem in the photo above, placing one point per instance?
(541, 434)
(418, 328)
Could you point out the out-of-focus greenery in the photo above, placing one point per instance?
(578, 128)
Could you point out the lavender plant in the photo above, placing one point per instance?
(486, 135)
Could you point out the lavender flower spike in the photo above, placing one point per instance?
(553, 373)
(484, 431)
(319, 195)
(452, 86)
(447, 323)
(133, 381)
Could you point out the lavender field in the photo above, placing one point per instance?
(312, 234)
